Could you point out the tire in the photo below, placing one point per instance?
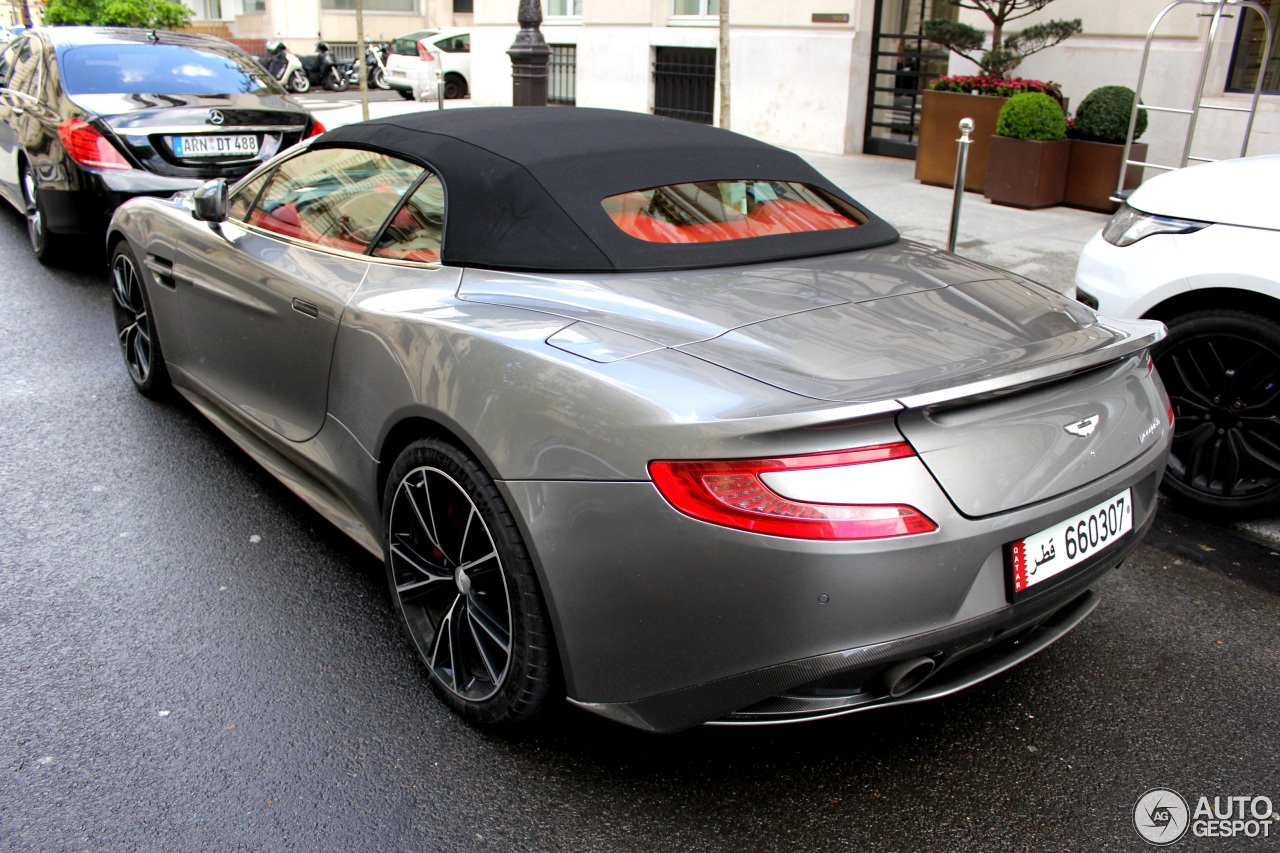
(43, 244)
(407, 94)
(1222, 371)
(464, 586)
(378, 79)
(135, 324)
(335, 81)
(299, 83)
(454, 87)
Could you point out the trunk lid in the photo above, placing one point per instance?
(198, 136)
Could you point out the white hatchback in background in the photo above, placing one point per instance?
(414, 59)
(1197, 249)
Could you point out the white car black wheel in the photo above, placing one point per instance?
(1222, 371)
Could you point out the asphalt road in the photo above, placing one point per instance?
(193, 660)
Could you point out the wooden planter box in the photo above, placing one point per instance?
(1094, 171)
(1024, 173)
(939, 130)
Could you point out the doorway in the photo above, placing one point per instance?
(902, 64)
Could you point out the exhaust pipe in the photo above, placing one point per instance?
(902, 678)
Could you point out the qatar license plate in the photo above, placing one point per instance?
(1053, 550)
(243, 145)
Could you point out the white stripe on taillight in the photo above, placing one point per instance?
(731, 493)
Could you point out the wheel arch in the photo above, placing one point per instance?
(1215, 298)
(416, 426)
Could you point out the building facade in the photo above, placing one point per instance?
(833, 76)
(842, 76)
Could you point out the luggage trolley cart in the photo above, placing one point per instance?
(1219, 11)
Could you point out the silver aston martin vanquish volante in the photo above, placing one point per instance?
(651, 413)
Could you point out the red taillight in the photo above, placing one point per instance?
(316, 128)
(1169, 412)
(729, 492)
(425, 54)
(88, 147)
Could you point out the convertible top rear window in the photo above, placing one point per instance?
(712, 211)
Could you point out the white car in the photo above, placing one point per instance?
(414, 59)
(1197, 249)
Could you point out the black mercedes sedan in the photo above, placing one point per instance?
(90, 117)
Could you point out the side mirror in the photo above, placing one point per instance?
(211, 201)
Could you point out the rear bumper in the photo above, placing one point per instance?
(851, 680)
(88, 209)
(663, 622)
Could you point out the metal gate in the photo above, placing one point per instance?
(902, 64)
(684, 83)
(562, 75)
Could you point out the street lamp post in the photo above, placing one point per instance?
(529, 55)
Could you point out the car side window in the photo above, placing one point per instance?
(25, 76)
(244, 196)
(455, 44)
(334, 197)
(413, 234)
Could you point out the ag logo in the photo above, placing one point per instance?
(1084, 428)
(1161, 816)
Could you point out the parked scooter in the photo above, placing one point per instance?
(375, 67)
(286, 67)
(322, 70)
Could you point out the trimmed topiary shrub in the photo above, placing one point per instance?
(1103, 116)
(1032, 115)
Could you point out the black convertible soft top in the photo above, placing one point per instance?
(524, 185)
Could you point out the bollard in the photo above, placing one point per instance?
(962, 160)
(439, 88)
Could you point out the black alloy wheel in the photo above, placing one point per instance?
(1222, 371)
(135, 325)
(464, 586)
(43, 244)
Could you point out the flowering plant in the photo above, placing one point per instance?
(1004, 87)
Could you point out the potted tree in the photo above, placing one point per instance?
(1029, 153)
(1097, 149)
(936, 149)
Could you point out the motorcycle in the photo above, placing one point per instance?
(285, 67)
(376, 65)
(322, 70)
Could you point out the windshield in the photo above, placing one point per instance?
(712, 211)
(159, 69)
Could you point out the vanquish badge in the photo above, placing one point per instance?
(1085, 427)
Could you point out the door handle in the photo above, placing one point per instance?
(305, 308)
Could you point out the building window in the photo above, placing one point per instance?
(370, 5)
(694, 8)
(1246, 59)
(562, 75)
(684, 83)
(564, 8)
(463, 7)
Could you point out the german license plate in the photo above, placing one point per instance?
(1053, 550)
(243, 145)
